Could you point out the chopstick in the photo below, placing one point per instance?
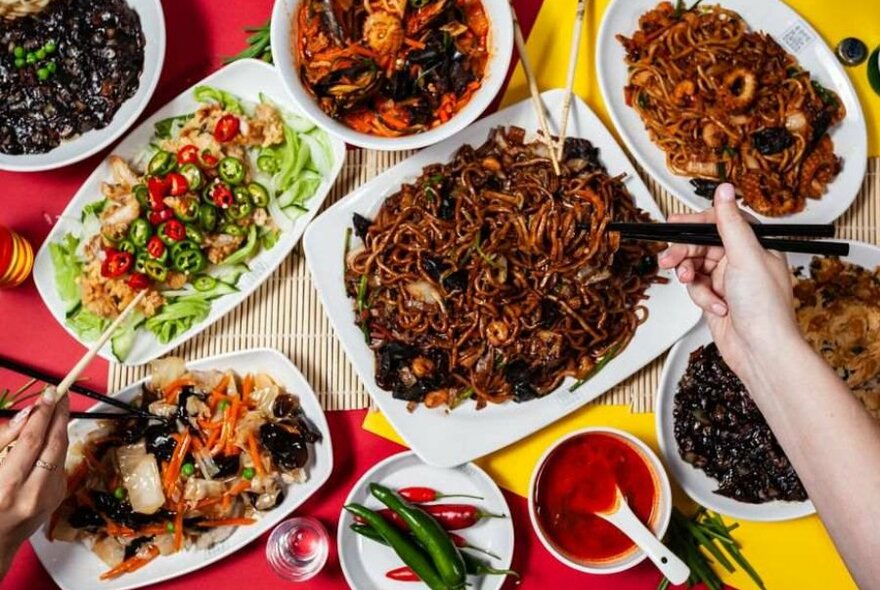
(533, 88)
(572, 71)
(800, 246)
(89, 415)
(89, 356)
(821, 230)
(76, 387)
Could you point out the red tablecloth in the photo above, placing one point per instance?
(200, 33)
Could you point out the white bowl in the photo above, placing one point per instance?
(84, 145)
(660, 517)
(501, 49)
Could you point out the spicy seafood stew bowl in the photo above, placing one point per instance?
(74, 567)
(500, 50)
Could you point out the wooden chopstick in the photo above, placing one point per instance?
(75, 387)
(89, 356)
(821, 230)
(89, 415)
(533, 88)
(800, 246)
(572, 72)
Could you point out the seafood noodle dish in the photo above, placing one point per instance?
(728, 104)
(213, 189)
(391, 67)
(223, 450)
(838, 308)
(491, 278)
(65, 71)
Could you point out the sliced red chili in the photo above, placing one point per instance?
(209, 160)
(158, 190)
(155, 247)
(177, 184)
(188, 154)
(175, 230)
(138, 281)
(116, 263)
(222, 196)
(226, 128)
(157, 217)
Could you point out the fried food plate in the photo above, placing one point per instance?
(246, 79)
(797, 37)
(73, 567)
(444, 438)
(364, 562)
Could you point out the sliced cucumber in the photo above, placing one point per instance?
(122, 340)
(229, 274)
(219, 290)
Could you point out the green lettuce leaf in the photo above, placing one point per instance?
(228, 101)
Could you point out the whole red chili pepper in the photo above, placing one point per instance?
(138, 281)
(177, 184)
(188, 154)
(222, 196)
(420, 495)
(226, 128)
(452, 517)
(155, 247)
(116, 263)
(403, 574)
(157, 217)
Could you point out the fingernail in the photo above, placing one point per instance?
(726, 193)
(719, 309)
(48, 396)
(682, 273)
(21, 416)
(664, 254)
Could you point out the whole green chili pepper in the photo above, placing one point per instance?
(405, 549)
(437, 543)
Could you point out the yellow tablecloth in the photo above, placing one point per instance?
(791, 555)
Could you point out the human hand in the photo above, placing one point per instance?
(32, 478)
(745, 292)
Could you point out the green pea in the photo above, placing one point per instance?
(52, 67)
(19, 62)
(50, 46)
(31, 57)
(18, 51)
(41, 53)
(169, 526)
(248, 473)
(223, 405)
(119, 493)
(43, 74)
(188, 469)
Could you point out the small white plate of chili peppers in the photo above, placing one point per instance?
(405, 522)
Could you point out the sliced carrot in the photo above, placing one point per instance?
(131, 564)
(238, 488)
(178, 527)
(255, 454)
(232, 419)
(227, 522)
(173, 389)
(414, 43)
(247, 387)
(212, 438)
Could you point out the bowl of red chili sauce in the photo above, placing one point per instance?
(576, 478)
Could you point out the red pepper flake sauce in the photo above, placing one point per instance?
(577, 480)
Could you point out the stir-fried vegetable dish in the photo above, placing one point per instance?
(391, 67)
(224, 450)
(215, 188)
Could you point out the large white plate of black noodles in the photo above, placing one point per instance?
(695, 482)
(447, 438)
(798, 38)
(74, 567)
(100, 62)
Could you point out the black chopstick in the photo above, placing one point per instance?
(806, 230)
(81, 389)
(799, 246)
(89, 415)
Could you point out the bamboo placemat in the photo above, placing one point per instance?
(285, 313)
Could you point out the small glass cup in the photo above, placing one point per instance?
(298, 548)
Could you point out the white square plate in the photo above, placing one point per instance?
(74, 567)
(443, 438)
(798, 38)
(246, 79)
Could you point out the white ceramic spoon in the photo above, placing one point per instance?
(622, 516)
